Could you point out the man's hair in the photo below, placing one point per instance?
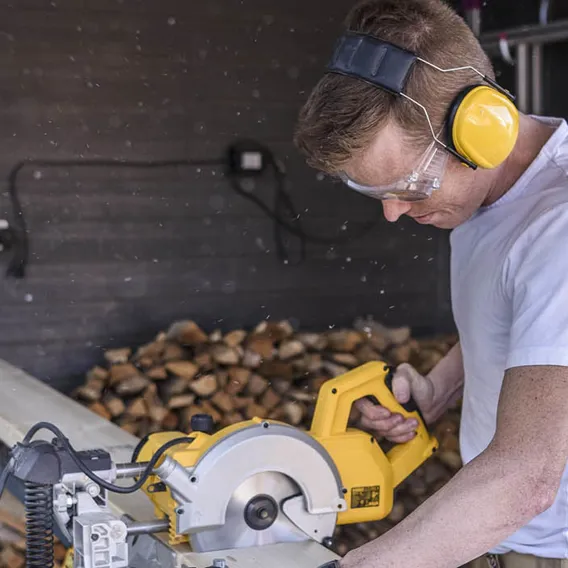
(342, 115)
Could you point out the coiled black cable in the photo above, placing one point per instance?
(38, 503)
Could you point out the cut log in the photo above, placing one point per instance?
(122, 372)
(290, 348)
(157, 373)
(277, 331)
(231, 418)
(118, 355)
(91, 391)
(346, 359)
(281, 386)
(235, 337)
(241, 402)
(181, 401)
(302, 395)
(137, 408)
(152, 351)
(225, 355)
(186, 333)
(313, 341)
(145, 363)
(184, 369)
(204, 361)
(156, 410)
(261, 345)
(280, 369)
(251, 359)
(114, 405)
(238, 379)
(366, 353)
(223, 401)
(256, 385)
(204, 386)
(222, 378)
(333, 369)
(98, 373)
(173, 352)
(172, 387)
(294, 413)
(215, 336)
(270, 399)
(255, 410)
(170, 422)
(344, 340)
(131, 386)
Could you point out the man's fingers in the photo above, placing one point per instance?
(381, 425)
(402, 438)
(401, 388)
(372, 411)
(406, 427)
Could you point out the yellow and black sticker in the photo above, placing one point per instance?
(365, 496)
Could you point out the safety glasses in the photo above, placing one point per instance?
(418, 185)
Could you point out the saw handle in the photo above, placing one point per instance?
(372, 380)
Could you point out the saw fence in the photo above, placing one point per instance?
(271, 371)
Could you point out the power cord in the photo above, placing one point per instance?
(9, 469)
(282, 210)
(18, 264)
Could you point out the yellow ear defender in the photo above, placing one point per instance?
(483, 125)
(482, 122)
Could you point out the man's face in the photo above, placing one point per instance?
(389, 158)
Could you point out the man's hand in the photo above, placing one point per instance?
(514, 479)
(378, 420)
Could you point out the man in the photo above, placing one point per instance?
(508, 505)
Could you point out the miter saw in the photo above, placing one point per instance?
(256, 493)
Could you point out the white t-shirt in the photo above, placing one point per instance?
(509, 287)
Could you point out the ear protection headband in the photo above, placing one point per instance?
(482, 122)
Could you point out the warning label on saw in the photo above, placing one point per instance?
(365, 496)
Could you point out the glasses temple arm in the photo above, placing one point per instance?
(445, 146)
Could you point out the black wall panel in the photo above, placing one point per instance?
(118, 254)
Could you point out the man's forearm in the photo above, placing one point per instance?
(487, 501)
(447, 378)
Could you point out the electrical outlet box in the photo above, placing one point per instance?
(247, 158)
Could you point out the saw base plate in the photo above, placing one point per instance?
(149, 552)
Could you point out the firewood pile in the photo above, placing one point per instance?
(271, 371)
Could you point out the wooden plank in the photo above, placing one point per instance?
(26, 401)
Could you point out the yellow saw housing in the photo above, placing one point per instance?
(368, 474)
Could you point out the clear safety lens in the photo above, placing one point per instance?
(426, 178)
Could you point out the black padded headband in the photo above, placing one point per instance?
(377, 62)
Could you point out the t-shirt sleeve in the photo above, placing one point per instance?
(538, 287)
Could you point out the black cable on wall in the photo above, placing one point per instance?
(18, 239)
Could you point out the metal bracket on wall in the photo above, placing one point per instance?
(528, 42)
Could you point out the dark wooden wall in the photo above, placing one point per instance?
(118, 254)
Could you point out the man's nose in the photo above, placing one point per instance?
(393, 209)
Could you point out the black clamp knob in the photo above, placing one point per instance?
(332, 564)
(202, 423)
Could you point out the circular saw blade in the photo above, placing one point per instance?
(254, 516)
